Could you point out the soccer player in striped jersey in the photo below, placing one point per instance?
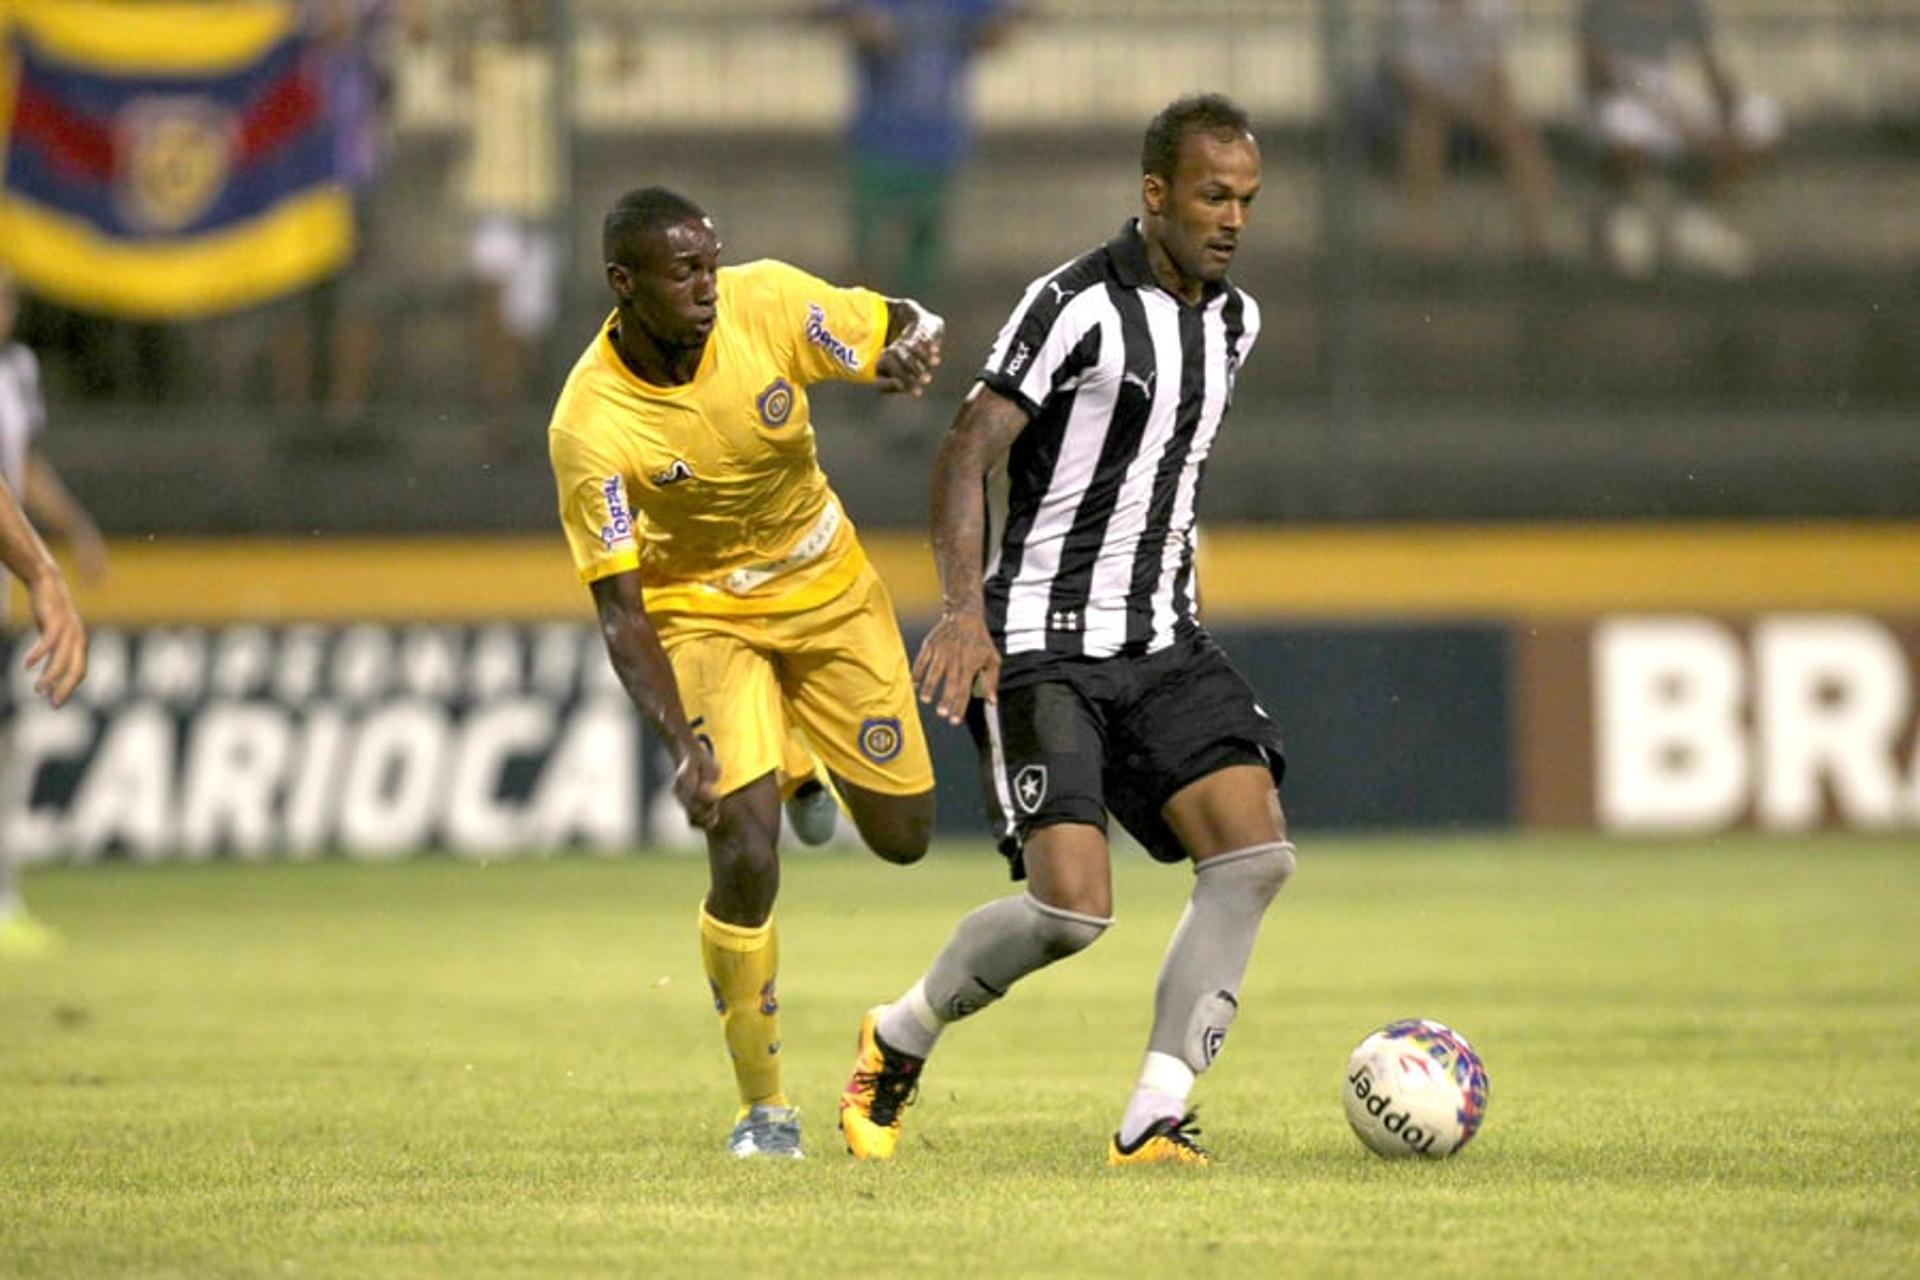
(26, 472)
(734, 597)
(1073, 647)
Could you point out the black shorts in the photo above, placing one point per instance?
(1072, 739)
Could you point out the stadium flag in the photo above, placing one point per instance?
(165, 160)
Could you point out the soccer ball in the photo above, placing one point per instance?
(1415, 1088)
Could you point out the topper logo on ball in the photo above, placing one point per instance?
(1394, 1122)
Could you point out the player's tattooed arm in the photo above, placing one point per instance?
(959, 651)
(641, 662)
(912, 352)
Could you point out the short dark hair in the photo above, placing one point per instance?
(1214, 113)
(638, 212)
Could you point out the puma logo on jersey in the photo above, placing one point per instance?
(1145, 384)
(674, 474)
(1060, 295)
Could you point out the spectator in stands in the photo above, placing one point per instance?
(911, 126)
(1445, 62)
(24, 470)
(512, 192)
(337, 319)
(1648, 119)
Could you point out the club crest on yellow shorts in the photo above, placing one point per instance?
(856, 713)
(880, 738)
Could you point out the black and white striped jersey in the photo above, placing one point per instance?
(1090, 518)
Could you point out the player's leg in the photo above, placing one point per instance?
(897, 827)
(743, 862)
(992, 948)
(848, 686)
(813, 811)
(1204, 743)
(1067, 905)
(21, 936)
(1242, 858)
(731, 698)
(1047, 805)
(740, 950)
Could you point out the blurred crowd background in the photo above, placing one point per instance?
(1572, 481)
(1493, 287)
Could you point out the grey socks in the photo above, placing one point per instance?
(1194, 1001)
(990, 950)
(1198, 993)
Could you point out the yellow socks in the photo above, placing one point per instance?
(741, 962)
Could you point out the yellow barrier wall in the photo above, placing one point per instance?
(1246, 573)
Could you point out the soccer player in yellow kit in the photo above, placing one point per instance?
(735, 601)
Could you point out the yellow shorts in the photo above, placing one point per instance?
(837, 673)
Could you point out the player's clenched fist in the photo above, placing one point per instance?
(908, 362)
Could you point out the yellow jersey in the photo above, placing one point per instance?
(713, 489)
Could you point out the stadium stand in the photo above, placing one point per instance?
(1392, 382)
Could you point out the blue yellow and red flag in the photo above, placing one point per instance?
(165, 159)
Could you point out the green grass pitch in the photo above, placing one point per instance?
(1705, 1059)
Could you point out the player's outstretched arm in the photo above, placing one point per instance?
(54, 508)
(912, 353)
(960, 649)
(647, 675)
(62, 646)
